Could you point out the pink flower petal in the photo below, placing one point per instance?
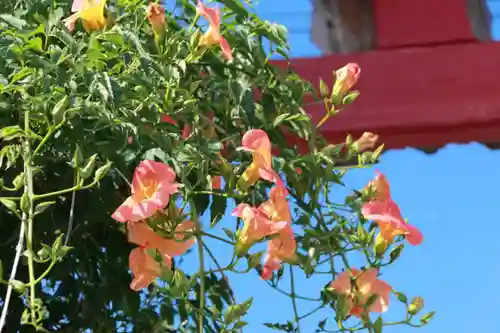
(212, 15)
(144, 268)
(226, 48)
(152, 186)
(387, 211)
(270, 264)
(414, 236)
(124, 213)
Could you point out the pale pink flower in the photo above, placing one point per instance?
(152, 185)
(213, 35)
(366, 284)
(257, 143)
(144, 268)
(256, 226)
(386, 213)
(282, 247)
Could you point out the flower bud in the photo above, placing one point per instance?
(346, 78)
(367, 141)
(156, 17)
(417, 304)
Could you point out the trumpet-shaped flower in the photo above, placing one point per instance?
(144, 268)
(282, 247)
(387, 215)
(152, 185)
(91, 12)
(365, 285)
(257, 225)
(213, 35)
(380, 187)
(156, 17)
(258, 144)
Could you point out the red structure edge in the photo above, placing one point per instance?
(421, 97)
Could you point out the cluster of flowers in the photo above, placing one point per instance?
(359, 285)
(91, 13)
(154, 183)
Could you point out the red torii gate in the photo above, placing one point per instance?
(426, 80)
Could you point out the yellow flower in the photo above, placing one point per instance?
(91, 12)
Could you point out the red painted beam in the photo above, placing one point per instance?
(409, 22)
(418, 97)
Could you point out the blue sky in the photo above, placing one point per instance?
(451, 196)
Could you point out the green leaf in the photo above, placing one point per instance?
(11, 205)
(235, 6)
(395, 253)
(324, 89)
(362, 234)
(279, 119)
(427, 317)
(42, 206)
(370, 301)
(350, 97)
(13, 21)
(342, 307)
(229, 233)
(217, 209)
(401, 297)
(239, 324)
(377, 326)
(235, 312)
(36, 44)
(18, 181)
(11, 132)
(254, 260)
(18, 286)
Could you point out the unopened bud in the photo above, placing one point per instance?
(346, 78)
(367, 141)
(417, 304)
(156, 17)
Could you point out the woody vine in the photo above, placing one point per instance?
(133, 134)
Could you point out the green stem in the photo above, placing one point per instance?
(323, 120)
(11, 198)
(195, 20)
(61, 192)
(217, 237)
(312, 312)
(221, 271)
(202, 283)
(220, 194)
(47, 136)
(28, 171)
(43, 275)
(294, 301)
